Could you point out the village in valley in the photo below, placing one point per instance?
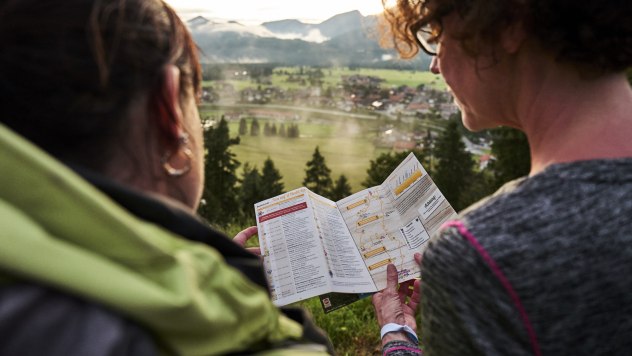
(410, 115)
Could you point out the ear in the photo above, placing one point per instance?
(512, 37)
(165, 104)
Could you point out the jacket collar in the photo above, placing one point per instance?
(171, 216)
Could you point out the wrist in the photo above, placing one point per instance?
(392, 332)
(400, 348)
(395, 336)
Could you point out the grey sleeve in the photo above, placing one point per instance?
(38, 321)
(465, 309)
(401, 348)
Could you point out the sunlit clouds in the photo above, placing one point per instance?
(258, 11)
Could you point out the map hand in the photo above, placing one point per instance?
(243, 236)
(397, 304)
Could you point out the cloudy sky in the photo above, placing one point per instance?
(257, 11)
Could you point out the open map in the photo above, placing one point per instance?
(314, 246)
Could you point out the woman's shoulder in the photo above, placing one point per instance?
(36, 320)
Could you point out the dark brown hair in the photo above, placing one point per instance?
(592, 34)
(69, 69)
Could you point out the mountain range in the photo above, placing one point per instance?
(348, 39)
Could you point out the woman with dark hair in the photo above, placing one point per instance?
(543, 265)
(101, 155)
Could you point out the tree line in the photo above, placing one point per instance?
(229, 198)
(291, 131)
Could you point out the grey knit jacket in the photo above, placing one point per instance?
(542, 267)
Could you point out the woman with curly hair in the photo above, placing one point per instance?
(543, 265)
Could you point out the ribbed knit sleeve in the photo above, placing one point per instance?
(465, 309)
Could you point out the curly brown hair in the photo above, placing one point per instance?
(590, 34)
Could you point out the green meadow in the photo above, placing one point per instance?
(346, 144)
(332, 77)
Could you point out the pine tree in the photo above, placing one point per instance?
(317, 175)
(254, 127)
(220, 191)
(383, 166)
(341, 188)
(427, 153)
(292, 131)
(455, 166)
(243, 127)
(271, 180)
(250, 191)
(512, 158)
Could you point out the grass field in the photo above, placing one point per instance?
(392, 77)
(346, 145)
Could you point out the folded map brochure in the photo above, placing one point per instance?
(312, 246)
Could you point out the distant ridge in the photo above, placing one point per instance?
(198, 21)
(332, 27)
(346, 39)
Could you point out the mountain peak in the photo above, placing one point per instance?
(198, 21)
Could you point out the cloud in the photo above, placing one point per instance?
(313, 35)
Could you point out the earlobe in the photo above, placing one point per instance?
(165, 104)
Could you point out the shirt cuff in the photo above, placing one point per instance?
(392, 327)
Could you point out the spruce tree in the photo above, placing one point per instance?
(282, 130)
(341, 188)
(243, 127)
(220, 191)
(317, 175)
(455, 167)
(271, 180)
(383, 166)
(250, 192)
(512, 158)
(266, 129)
(254, 127)
(292, 131)
(427, 153)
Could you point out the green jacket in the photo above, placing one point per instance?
(60, 231)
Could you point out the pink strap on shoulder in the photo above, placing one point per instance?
(501, 277)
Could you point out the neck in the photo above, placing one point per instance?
(569, 118)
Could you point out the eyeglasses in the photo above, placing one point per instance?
(427, 40)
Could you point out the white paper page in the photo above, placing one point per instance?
(374, 225)
(346, 267)
(417, 200)
(391, 222)
(294, 261)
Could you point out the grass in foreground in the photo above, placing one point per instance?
(353, 329)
